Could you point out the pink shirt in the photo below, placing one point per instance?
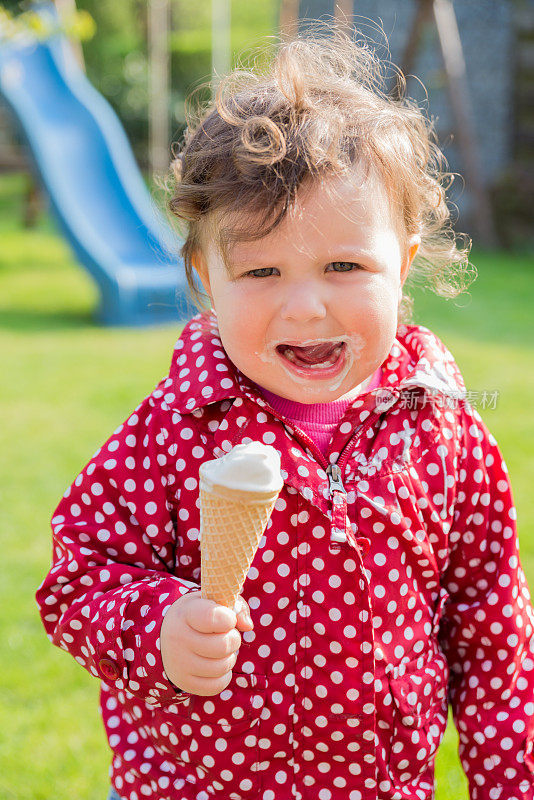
(317, 420)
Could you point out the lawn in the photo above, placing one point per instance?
(66, 385)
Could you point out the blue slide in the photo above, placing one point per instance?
(85, 163)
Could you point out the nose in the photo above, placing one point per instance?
(303, 303)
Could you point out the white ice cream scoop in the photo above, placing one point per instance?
(252, 467)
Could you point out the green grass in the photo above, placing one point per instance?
(67, 384)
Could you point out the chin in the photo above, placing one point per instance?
(308, 395)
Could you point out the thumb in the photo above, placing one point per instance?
(244, 620)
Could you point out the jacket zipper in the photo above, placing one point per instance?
(340, 529)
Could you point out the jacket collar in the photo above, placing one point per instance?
(202, 373)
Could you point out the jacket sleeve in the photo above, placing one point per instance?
(487, 629)
(111, 579)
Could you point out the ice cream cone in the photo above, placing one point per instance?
(232, 522)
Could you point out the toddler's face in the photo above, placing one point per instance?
(310, 311)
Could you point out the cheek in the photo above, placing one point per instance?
(232, 331)
(242, 328)
(378, 324)
(380, 310)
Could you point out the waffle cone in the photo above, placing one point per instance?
(232, 523)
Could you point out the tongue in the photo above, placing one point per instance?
(315, 353)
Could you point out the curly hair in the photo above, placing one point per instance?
(318, 108)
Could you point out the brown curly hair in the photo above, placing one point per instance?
(317, 109)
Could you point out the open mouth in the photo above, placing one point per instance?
(318, 356)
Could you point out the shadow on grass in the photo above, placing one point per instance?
(38, 320)
(28, 320)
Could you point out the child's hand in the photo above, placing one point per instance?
(200, 641)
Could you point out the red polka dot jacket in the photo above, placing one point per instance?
(386, 587)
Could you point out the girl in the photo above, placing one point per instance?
(388, 582)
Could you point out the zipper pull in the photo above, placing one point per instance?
(334, 479)
(338, 495)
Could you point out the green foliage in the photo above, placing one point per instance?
(117, 57)
(68, 383)
(14, 6)
(15, 22)
(513, 207)
(116, 63)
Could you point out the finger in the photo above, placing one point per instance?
(244, 624)
(208, 687)
(211, 667)
(214, 645)
(206, 616)
(244, 619)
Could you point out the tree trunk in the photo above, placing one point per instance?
(158, 97)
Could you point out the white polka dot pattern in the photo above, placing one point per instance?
(341, 690)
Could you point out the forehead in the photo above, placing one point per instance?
(358, 199)
(332, 210)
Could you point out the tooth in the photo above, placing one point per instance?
(289, 354)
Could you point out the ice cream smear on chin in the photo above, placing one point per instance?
(252, 467)
(314, 360)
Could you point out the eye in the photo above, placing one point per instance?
(261, 272)
(344, 266)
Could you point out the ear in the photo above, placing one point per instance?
(412, 246)
(201, 266)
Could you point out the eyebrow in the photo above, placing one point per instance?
(340, 254)
(244, 259)
(245, 262)
(353, 254)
